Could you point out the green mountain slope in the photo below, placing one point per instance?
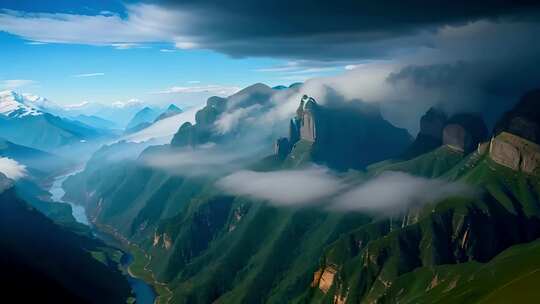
(453, 231)
(45, 132)
(44, 262)
(206, 246)
(512, 276)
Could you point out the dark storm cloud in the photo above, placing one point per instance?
(328, 30)
(485, 68)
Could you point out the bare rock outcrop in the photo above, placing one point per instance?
(324, 278)
(515, 152)
(455, 136)
(524, 119)
(430, 135)
(516, 141)
(162, 240)
(344, 135)
(306, 116)
(282, 147)
(463, 132)
(432, 123)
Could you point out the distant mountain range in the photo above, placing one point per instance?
(143, 118)
(148, 116)
(38, 123)
(24, 122)
(40, 162)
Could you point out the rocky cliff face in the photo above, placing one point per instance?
(306, 117)
(515, 153)
(282, 147)
(254, 100)
(463, 132)
(524, 119)
(302, 126)
(344, 136)
(203, 130)
(432, 123)
(430, 135)
(516, 141)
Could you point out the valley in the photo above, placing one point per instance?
(144, 293)
(201, 241)
(269, 152)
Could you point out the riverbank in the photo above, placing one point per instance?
(138, 268)
(145, 288)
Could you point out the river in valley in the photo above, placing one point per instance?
(144, 293)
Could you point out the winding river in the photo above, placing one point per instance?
(144, 293)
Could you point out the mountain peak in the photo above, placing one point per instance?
(170, 111)
(173, 107)
(523, 120)
(341, 137)
(464, 131)
(255, 88)
(13, 104)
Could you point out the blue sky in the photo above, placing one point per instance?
(46, 63)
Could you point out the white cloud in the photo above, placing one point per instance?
(106, 13)
(35, 43)
(167, 51)
(15, 83)
(392, 192)
(202, 160)
(214, 89)
(304, 68)
(89, 75)
(289, 66)
(12, 169)
(163, 130)
(124, 46)
(288, 187)
(129, 103)
(312, 70)
(144, 23)
(82, 104)
(228, 120)
(186, 45)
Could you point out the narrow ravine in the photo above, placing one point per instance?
(144, 293)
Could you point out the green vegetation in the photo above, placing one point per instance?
(512, 276)
(431, 164)
(209, 247)
(138, 268)
(70, 268)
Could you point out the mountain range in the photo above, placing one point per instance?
(457, 209)
(22, 122)
(148, 116)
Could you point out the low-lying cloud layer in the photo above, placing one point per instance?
(12, 169)
(204, 160)
(397, 190)
(289, 187)
(390, 192)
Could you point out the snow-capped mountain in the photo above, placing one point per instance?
(43, 104)
(13, 104)
(33, 121)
